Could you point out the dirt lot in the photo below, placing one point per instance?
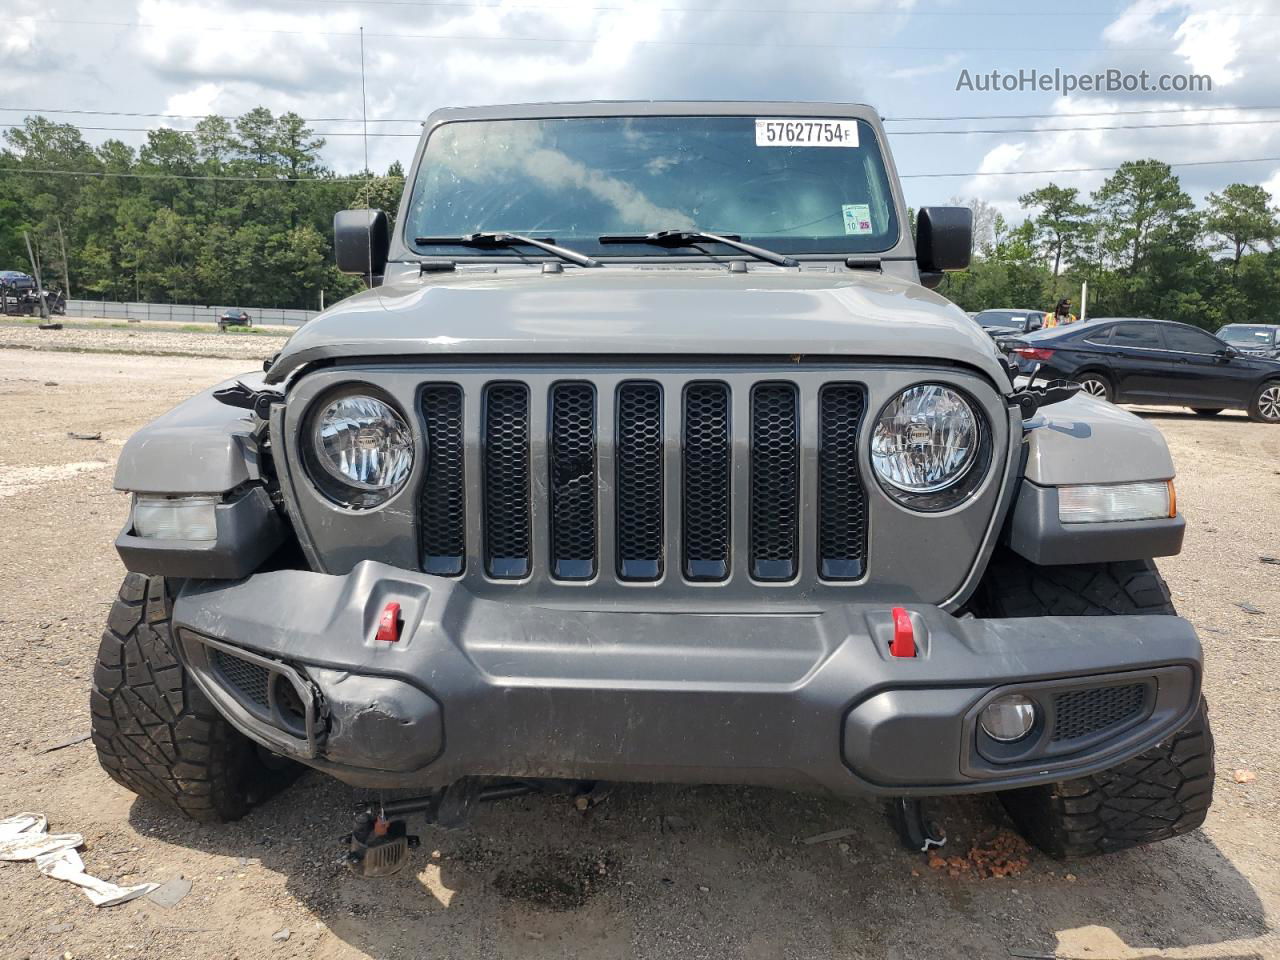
(652, 871)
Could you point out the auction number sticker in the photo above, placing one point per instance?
(806, 133)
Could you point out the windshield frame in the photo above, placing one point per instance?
(900, 247)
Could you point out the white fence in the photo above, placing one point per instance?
(182, 312)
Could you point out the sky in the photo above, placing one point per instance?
(904, 57)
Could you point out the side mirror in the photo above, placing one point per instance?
(944, 238)
(1226, 354)
(1035, 322)
(361, 241)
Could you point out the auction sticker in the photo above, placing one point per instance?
(806, 133)
(857, 218)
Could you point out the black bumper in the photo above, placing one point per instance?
(483, 688)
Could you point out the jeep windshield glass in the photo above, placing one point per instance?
(578, 179)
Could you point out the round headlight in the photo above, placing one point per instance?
(365, 446)
(926, 441)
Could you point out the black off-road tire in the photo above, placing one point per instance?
(157, 734)
(1161, 793)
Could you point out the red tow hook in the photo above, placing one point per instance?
(903, 643)
(389, 624)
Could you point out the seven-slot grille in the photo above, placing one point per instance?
(672, 490)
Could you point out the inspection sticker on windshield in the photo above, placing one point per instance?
(806, 133)
(857, 218)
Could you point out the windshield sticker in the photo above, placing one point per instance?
(857, 218)
(806, 133)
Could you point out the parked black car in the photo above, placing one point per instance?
(234, 317)
(1001, 322)
(1130, 360)
(1254, 339)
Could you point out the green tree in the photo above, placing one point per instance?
(1061, 223)
(1242, 218)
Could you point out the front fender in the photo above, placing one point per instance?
(1085, 440)
(200, 446)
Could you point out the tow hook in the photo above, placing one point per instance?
(917, 832)
(379, 843)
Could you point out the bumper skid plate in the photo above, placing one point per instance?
(482, 688)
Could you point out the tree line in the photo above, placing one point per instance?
(1139, 240)
(233, 212)
(241, 211)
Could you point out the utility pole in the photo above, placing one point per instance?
(35, 266)
(66, 268)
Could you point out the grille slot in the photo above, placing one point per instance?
(573, 481)
(842, 502)
(775, 481)
(506, 480)
(246, 678)
(638, 456)
(1083, 713)
(443, 499)
(706, 481)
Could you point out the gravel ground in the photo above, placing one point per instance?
(156, 339)
(652, 872)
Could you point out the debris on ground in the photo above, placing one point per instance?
(1001, 854)
(65, 864)
(830, 835)
(69, 742)
(1249, 608)
(281, 935)
(1266, 559)
(170, 893)
(1244, 776)
(50, 326)
(84, 436)
(24, 836)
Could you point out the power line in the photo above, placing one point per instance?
(895, 133)
(790, 11)
(1039, 173)
(1042, 116)
(455, 38)
(904, 176)
(420, 120)
(113, 174)
(322, 133)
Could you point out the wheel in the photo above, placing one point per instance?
(156, 732)
(1265, 405)
(1096, 385)
(1161, 793)
(1206, 411)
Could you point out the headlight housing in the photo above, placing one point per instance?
(360, 452)
(930, 447)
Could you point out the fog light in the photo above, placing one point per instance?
(1008, 718)
(175, 518)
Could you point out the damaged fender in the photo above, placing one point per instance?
(1085, 440)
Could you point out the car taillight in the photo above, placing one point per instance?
(1033, 353)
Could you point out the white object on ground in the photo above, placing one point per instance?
(66, 865)
(23, 837)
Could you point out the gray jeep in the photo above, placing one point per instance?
(649, 454)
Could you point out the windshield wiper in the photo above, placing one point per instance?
(504, 239)
(689, 238)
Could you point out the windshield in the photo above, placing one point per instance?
(1256, 336)
(577, 179)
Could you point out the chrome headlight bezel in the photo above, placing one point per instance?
(963, 482)
(327, 476)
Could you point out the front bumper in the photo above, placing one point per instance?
(478, 687)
